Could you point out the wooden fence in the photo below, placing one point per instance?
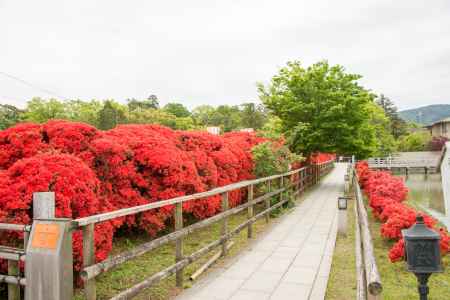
(283, 186)
(368, 278)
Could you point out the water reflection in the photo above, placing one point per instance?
(425, 190)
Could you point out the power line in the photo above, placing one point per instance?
(32, 85)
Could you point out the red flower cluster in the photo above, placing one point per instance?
(319, 157)
(94, 171)
(386, 194)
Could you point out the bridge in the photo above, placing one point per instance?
(427, 160)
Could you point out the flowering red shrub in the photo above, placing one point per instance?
(94, 171)
(391, 229)
(397, 251)
(437, 143)
(320, 157)
(386, 194)
(74, 183)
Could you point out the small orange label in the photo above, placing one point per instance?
(45, 236)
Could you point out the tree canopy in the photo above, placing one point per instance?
(398, 127)
(9, 115)
(177, 109)
(322, 108)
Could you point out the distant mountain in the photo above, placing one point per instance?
(426, 115)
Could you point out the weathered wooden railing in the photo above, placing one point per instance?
(368, 278)
(13, 256)
(304, 177)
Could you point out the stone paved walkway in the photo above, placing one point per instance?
(292, 261)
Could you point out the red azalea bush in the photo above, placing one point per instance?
(320, 157)
(93, 171)
(386, 194)
(437, 143)
(75, 185)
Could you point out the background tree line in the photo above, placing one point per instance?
(109, 113)
(317, 108)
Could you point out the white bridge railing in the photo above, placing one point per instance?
(394, 162)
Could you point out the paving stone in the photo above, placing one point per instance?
(250, 295)
(291, 291)
(319, 288)
(275, 265)
(300, 275)
(265, 282)
(255, 256)
(292, 242)
(241, 270)
(266, 245)
(221, 288)
(307, 261)
(285, 253)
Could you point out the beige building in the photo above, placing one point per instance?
(440, 128)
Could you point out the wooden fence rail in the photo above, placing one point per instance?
(368, 278)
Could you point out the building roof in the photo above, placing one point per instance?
(445, 120)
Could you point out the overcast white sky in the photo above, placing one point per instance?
(213, 52)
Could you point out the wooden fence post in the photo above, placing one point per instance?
(269, 188)
(43, 208)
(302, 182)
(13, 289)
(43, 205)
(250, 212)
(90, 292)
(179, 242)
(281, 186)
(293, 186)
(224, 222)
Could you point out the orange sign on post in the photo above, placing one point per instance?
(46, 236)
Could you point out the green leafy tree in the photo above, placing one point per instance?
(270, 159)
(39, 110)
(415, 141)
(151, 102)
(273, 128)
(83, 111)
(9, 115)
(203, 115)
(253, 116)
(398, 125)
(111, 115)
(321, 108)
(385, 142)
(156, 116)
(227, 117)
(177, 109)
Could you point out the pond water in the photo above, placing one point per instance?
(425, 190)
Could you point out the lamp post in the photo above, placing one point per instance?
(346, 184)
(342, 215)
(423, 256)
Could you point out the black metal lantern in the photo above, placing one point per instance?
(423, 256)
(342, 202)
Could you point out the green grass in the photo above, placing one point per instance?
(136, 270)
(342, 280)
(396, 281)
